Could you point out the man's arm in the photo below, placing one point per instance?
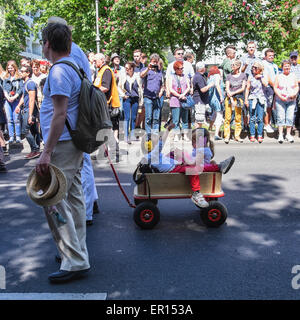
(60, 104)
(31, 94)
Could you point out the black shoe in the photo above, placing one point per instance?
(3, 169)
(65, 276)
(95, 207)
(89, 222)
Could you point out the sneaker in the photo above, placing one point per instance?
(252, 139)
(239, 140)
(217, 138)
(226, 141)
(226, 165)
(268, 128)
(11, 141)
(32, 155)
(18, 140)
(198, 199)
(280, 139)
(289, 138)
(260, 139)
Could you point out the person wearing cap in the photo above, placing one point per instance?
(201, 93)
(60, 102)
(295, 68)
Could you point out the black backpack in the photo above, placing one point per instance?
(93, 114)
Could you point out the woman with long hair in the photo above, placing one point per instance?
(216, 99)
(13, 90)
(131, 91)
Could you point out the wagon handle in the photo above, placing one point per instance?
(117, 179)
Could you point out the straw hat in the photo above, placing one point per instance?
(47, 190)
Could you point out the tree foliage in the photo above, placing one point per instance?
(13, 31)
(205, 26)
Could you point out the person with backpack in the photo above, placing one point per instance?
(87, 172)
(61, 103)
(29, 113)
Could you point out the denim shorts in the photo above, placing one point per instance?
(285, 112)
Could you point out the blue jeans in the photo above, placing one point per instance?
(13, 119)
(130, 107)
(30, 132)
(256, 116)
(285, 112)
(152, 114)
(180, 113)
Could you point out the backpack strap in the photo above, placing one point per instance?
(81, 75)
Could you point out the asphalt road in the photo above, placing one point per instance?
(251, 256)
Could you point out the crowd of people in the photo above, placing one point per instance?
(249, 93)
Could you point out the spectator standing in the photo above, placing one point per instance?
(118, 71)
(235, 87)
(200, 94)
(144, 59)
(216, 99)
(230, 52)
(286, 89)
(92, 63)
(44, 67)
(106, 82)
(270, 72)
(153, 89)
(255, 100)
(131, 92)
(137, 56)
(13, 90)
(37, 76)
(179, 88)
(249, 58)
(60, 101)
(295, 68)
(29, 113)
(188, 70)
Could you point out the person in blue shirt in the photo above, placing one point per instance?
(29, 113)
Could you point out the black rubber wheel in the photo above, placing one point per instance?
(214, 215)
(146, 215)
(138, 201)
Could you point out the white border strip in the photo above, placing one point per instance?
(104, 184)
(53, 296)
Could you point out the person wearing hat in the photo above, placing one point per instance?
(60, 101)
(119, 72)
(295, 68)
(116, 67)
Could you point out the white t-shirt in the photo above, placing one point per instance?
(66, 82)
(188, 70)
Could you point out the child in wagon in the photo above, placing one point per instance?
(183, 162)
